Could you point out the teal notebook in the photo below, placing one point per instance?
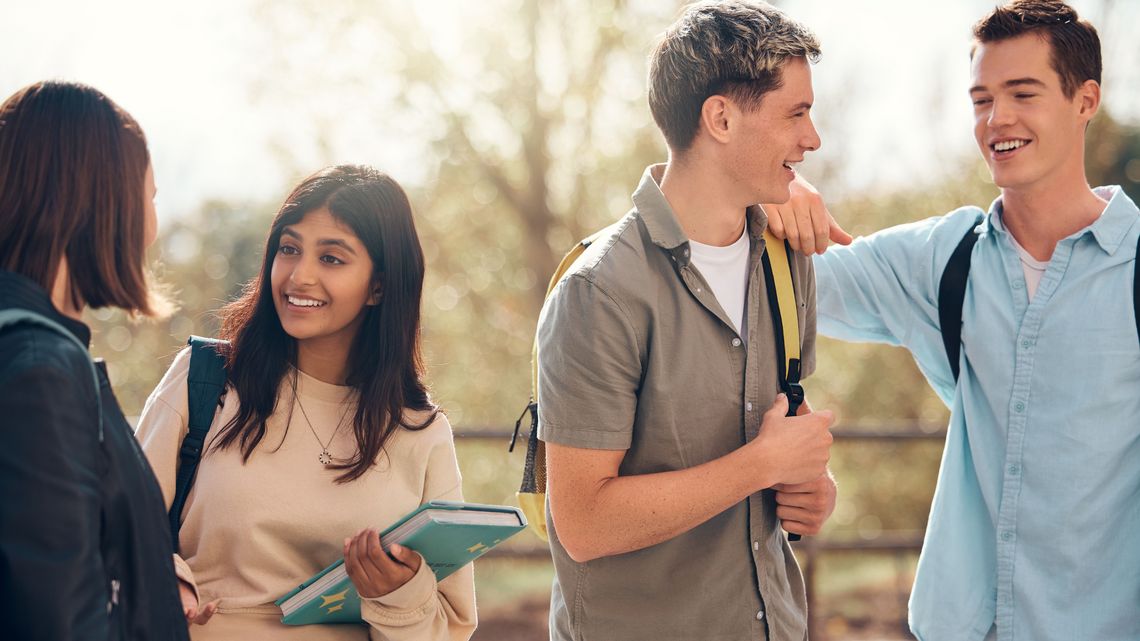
(448, 534)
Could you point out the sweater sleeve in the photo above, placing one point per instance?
(423, 609)
(161, 428)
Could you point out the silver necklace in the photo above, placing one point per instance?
(325, 458)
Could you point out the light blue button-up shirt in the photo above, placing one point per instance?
(1035, 524)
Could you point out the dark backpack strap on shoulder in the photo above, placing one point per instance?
(1136, 289)
(17, 316)
(205, 384)
(952, 295)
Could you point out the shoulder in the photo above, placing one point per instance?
(435, 429)
(171, 394)
(31, 349)
(175, 377)
(619, 254)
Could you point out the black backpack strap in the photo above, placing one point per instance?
(16, 316)
(205, 384)
(1136, 288)
(952, 295)
(787, 369)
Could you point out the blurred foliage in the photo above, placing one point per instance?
(527, 148)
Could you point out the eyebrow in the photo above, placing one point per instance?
(335, 242)
(802, 105)
(1016, 82)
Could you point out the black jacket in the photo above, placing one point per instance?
(85, 547)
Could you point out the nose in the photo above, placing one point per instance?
(1001, 113)
(304, 272)
(811, 141)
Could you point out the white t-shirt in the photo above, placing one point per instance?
(726, 271)
(1032, 268)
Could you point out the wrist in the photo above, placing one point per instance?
(761, 465)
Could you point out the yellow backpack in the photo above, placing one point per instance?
(781, 299)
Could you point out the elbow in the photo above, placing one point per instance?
(575, 538)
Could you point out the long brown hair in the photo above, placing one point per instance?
(72, 184)
(385, 364)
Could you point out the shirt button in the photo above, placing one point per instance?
(760, 615)
(1020, 407)
(748, 406)
(1014, 469)
(1018, 285)
(735, 341)
(1006, 535)
(755, 545)
(1025, 343)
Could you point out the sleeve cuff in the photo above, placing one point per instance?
(186, 575)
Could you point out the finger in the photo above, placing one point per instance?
(405, 556)
(787, 214)
(799, 527)
(793, 513)
(821, 225)
(807, 232)
(775, 220)
(838, 235)
(369, 575)
(205, 613)
(381, 559)
(804, 408)
(827, 416)
(780, 406)
(808, 501)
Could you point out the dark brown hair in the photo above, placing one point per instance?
(385, 364)
(734, 48)
(72, 184)
(1074, 42)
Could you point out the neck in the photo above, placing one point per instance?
(61, 293)
(324, 360)
(703, 201)
(1042, 215)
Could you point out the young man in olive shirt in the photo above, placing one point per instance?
(668, 480)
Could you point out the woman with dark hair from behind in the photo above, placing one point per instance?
(84, 542)
(325, 433)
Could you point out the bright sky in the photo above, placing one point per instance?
(184, 70)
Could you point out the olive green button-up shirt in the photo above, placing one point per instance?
(636, 354)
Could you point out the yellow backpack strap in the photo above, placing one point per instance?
(532, 492)
(782, 301)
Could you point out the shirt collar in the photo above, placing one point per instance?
(1109, 229)
(661, 221)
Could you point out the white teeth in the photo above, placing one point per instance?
(304, 302)
(1007, 145)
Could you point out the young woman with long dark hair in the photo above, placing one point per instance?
(326, 432)
(84, 544)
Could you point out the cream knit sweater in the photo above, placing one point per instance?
(253, 531)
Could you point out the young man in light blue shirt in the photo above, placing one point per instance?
(1034, 532)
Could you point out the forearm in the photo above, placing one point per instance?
(621, 514)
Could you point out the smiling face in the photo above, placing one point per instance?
(771, 138)
(1030, 134)
(322, 281)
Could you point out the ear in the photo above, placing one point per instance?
(716, 112)
(377, 294)
(1088, 97)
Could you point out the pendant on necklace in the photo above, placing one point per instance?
(325, 458)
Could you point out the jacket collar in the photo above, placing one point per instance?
(20, 292)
